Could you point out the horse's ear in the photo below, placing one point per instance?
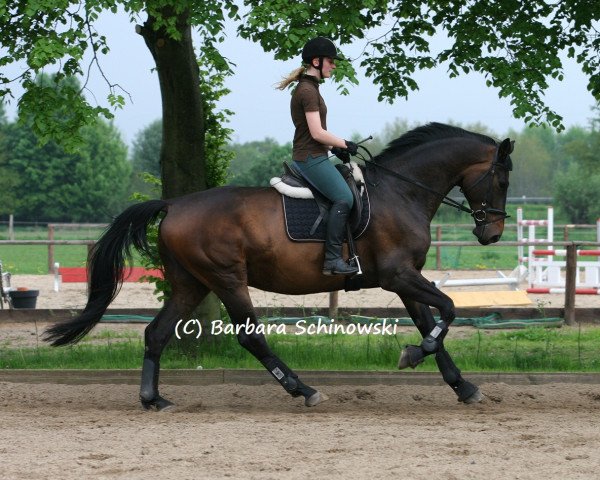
(506, 148)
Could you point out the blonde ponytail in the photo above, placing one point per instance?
(294, 76)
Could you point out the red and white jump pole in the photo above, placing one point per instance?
(578, 291)
(545, 273)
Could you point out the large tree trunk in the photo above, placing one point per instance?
(182, 152)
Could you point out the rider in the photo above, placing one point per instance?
(312, 142)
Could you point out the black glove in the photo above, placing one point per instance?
(342, 154)
(351, 147)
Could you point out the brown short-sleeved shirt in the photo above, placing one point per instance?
(306, 98)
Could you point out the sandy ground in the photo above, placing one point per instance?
(233, 431)
(140, 295)
(259, 432)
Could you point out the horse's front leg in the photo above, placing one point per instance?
(424, 321)
(241, 311)
(412, 285)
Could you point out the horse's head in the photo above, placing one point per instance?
(486, 189)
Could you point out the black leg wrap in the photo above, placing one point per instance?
(149, 396)
(149, 387)
(432, 342)
(287, 378)
(448, 369)
(452, 377)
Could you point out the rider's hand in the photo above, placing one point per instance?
(342, 154)
(351, 147)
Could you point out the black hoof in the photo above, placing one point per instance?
(158, 403)
(411, 356)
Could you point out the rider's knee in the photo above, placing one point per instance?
(347, 198)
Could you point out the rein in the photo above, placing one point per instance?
(479, 215)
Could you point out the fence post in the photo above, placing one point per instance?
(438, 249)
(333, 304)
(570, 284)
(50, 248)
(11, 227)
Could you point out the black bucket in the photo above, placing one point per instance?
(24, 298)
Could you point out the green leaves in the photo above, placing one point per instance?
(53, 35)
(516, 45)
(54, 109)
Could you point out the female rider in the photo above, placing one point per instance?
(312, 142)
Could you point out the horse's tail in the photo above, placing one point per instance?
(106, 265)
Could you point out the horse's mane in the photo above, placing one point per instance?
(425, 134)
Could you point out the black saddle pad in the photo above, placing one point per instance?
(300, 215)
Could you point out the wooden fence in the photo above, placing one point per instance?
(570, 279)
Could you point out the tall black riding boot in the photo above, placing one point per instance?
(336, 227)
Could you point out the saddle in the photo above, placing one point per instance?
(306, 209)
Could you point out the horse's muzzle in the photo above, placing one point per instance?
(487, 233)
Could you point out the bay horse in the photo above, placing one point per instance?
(229, 238)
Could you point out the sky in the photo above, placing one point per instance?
(261, 111)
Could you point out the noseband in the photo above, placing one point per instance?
(480, 215)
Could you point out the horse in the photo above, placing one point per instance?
(225, 239)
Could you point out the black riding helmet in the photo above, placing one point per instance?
(319, 47)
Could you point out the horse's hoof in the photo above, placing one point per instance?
(411, 356)
(315, 399)
(477, 397)
(404, 360)
(159, 404)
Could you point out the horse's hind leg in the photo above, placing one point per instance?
(424, 321)
(157, 335)
(240, 309)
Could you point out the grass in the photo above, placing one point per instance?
(534, 349)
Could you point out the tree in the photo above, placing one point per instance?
(580, 146)
(2, 114)
(533, 163)
(255, 163)
(9, 180)
(577, 180)
(145, 158)
(577, 193)
(516, 45)
(145, 155)
(47, 183)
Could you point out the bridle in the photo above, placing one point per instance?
(480, 215)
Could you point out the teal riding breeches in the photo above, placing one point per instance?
(323, 175)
